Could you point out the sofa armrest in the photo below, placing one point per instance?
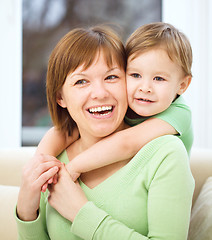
(201, 167)
(12, 161)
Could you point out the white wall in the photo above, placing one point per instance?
(10, 73)
(194, 18)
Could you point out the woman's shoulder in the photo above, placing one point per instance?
(167, 143)
(165, 148)
(162, 154)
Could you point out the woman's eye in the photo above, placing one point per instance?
(111, 77)
(136, 75)
(81, 82)
(159, 79)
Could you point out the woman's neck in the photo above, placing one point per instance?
(86, 140)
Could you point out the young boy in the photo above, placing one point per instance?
(158, 73)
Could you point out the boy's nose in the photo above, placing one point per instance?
(145, 86)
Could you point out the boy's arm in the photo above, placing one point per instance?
(119, 146)
(54, 142)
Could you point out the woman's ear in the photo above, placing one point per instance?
(60, 100)
(184, 84)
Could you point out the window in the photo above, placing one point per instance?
(130, 15)
(44, 23)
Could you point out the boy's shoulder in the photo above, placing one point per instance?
(178, 106)
(180, 101)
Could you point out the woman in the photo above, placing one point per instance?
(146, 197)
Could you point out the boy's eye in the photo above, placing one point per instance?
(81, 82)
(111, 77)
(136, 75)
(159, 79)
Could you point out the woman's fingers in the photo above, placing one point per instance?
(50, 181)
(46, 175)
(35, 176)
(34, 170)
(42, 167)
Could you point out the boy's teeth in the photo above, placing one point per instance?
(146, 100)
(100, 109)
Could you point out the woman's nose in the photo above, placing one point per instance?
(99, 91)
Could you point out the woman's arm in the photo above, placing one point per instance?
(30, 212)
(35, 174)
(170, 187)
(169, 184)
(119, 146)
(55, 141)
(33, 230)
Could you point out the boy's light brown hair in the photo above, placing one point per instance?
(79, 47)
(162, 35)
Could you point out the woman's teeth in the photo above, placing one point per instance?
(104, 110)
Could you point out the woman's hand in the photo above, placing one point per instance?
(39, 169)
(66, 196)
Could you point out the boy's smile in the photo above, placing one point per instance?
(153, 82)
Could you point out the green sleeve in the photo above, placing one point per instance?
(34, 230)
(178, 114)
(170, 194)
(170, 187)
(93, 223)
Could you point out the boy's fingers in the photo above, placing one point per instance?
(55, 178)
(44, 187)
(75, 176)
(50, 181)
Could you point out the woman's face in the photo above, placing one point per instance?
(95, 98)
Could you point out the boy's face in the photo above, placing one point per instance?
(153, 82)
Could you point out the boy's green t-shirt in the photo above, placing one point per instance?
(177, 115)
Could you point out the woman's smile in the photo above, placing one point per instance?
(101, 111)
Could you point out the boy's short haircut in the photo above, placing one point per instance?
(79, 47)
(162, 35)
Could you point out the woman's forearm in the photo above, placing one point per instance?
(33, 230)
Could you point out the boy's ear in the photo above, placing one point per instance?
(184, 84)
(60, 99)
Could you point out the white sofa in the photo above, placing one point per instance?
(12, 161)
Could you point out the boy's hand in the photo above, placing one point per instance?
(74, 174)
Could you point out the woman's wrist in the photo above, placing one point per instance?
(27, 216)
(77, 208)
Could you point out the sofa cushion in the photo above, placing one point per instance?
(201, 215)
(8, 199)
